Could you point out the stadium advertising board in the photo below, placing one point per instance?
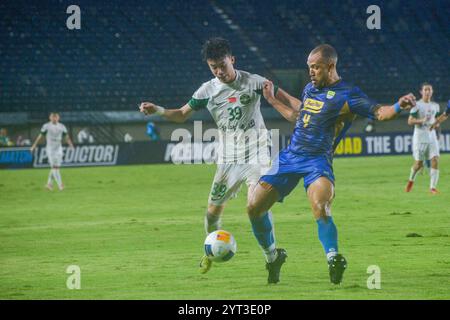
(19, 157)
(382, 144)
(352, 145)
(81, 155)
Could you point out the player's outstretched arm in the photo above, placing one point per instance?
(385, 113)
(288, 100)
(174, 115)
(39, 137)
(291, 106)
(413, 121)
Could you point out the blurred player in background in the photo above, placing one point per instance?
(425, 142)
(5, 141)
(152, 131)
(233, 99)
(329, 105)
(54, 131)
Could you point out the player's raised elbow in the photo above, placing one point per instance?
(296, 104)
(293, 116)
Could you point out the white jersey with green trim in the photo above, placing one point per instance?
(235, 107)
(429, 111)
(53, 134)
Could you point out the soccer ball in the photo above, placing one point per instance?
(220, 246)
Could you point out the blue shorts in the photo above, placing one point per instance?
(289, 168)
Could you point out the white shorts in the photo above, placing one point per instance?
(229, 178)
(54, 157)
(425, 151)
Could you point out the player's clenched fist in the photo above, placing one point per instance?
(147, 108)
(408, 101)
(268, 90)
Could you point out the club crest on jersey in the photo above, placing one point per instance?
(330, 94)
(313, 106)
(245, 99)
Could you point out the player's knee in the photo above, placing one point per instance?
(435, 161)
(319, 208)
(253, 209)
(260, 199)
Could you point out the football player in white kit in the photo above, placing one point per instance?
(425, 142)
(233, 99)
(54, 131)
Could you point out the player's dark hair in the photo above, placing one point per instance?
(327, 52)
(216, 48)
(423, 84)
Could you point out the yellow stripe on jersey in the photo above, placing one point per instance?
(345, 115)
(345, 109)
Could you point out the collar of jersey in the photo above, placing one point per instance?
(235, 83)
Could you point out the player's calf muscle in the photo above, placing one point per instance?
(215, 210)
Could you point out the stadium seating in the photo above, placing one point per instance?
(150, 50)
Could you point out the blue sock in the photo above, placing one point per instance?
(328, 236)
(264, 233)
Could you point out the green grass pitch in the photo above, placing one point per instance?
(136, 232)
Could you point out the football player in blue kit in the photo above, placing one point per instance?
(328, 105)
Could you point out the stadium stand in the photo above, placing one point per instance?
(141, 50)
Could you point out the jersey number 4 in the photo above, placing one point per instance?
(306, 119)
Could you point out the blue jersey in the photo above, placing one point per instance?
(447, 112)
(325, 116)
